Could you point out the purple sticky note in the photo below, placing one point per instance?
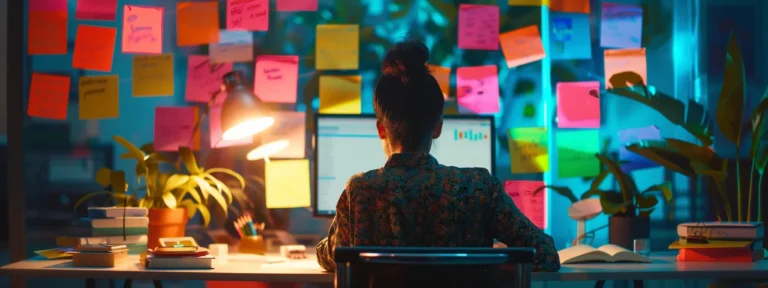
(214, 120)
(48, 5)
(621, 26)
(477, 89)
(578, 104)
(276, 78)
(250, 15)
(96, 10)
(296, 5)
(479, 27)
(204, 79)
(631, 160)
(174, 128)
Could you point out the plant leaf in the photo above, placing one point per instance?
(759, 149)
(190, 206)
(613, 203)
(91, 195)
(659, 152)
(189, 160)
(733, 96)
(646, 202)
(148, 148)
(169, 200)
(202, 186)
(216, 195)
(190, 188)
(104, 177)
(221, 187)
(598, 180)
(646, 213)
(665, 189)
(174, 182)
(205, 213)
(132, 150)
(117, 179)
(229, 172)
(627, 186)
(562, 190)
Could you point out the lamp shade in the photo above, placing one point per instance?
(242, 114)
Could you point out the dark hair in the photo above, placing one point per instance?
(408, 100)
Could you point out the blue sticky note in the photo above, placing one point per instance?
(621, 26)
(570, 36)
(631, 161)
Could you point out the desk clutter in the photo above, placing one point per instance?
(720, 242)
(99, 255)
(179, 253)
(113, 226)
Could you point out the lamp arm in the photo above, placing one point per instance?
(199, 122)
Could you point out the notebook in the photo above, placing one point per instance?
(201, 262)
(114, 212)
(721, 230)
(605, 253)
(118, 222)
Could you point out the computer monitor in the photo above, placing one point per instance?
(349, 144)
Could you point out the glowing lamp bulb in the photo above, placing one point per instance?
(248, 128)
(264, 151)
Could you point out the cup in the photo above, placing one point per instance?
(642, 247)
(220, 252)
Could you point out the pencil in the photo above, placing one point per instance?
(238, 229)
(250, 225)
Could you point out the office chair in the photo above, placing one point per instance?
(433, 267)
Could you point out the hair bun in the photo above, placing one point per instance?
(407, 61)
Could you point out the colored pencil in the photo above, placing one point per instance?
(250, 225)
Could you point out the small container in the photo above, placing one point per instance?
(252, 245)
(220, 252)
(642, 247)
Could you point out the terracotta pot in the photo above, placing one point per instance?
(623, 231)
(165, 223)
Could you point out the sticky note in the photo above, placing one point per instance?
(48, 96)
(214, 122)
(621, 26)
(443, 77)
(233, 46)
(47, 5)
(96, 10)
(287, 184)
(477, 89)
(623, 60)
(337, 47)
(47, 30)
(570, 36)
(528, 150)
(478, 27)
(569, 6)
(522, 46)
(576, 153)
(250, 15)
(291, 126)
(528, 2)
(630, 160)
(94, 47)
(99, 97)
(578, 104)
(197, 23)
(204, 79)
(296, 5)
(142, 29)
(534, 207)
(340, 94)
(174, 127)
(153, 75)
(276, 78)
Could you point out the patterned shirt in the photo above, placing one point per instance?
(414, 201)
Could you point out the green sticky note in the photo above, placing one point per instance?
(576, 153)
(528, 150)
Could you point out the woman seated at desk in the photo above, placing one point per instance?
(413, 200)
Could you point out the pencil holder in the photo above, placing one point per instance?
(252, 245)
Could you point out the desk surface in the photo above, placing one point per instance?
(664, 267)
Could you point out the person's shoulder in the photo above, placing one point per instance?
(363, 179)
(473, 174)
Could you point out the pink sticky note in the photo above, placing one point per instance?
(478, 27)
(214, 120)
(48, 5)
(296, 5)
(248, 14)
(142, 29)
(96, 10)
(578, 104)
(276, 78)
(174, 127)
(204, 79)
(477, 89)
(533, 207)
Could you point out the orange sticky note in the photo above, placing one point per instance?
(623, 60)
(534, 207)
(337, 47)
(569, 6)
(142, 29)
(522, 46)
(94, 47)
(47, 32)
(48, 96)
(443, 77)
(197, 23)
(340, 94)
(99, 97)
(276, 78)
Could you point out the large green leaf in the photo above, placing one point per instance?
(665, 189)
(626, 184)
(228, 172)
(730, 105)
(134, 152)
(174, 182)
(759, 149)
(700, 157)
(659, 152)
(613, 203)
(188, 157)
(562, 190)
(104, 177)
(169, 200)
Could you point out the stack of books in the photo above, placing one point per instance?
(113, 226)
(179, 258)
(720, 242)
(99, 255)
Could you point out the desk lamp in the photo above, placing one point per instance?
(242, 114)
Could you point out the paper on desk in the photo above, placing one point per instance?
(289, 125)
(287, 183)
(340, 94)
(214, 122)
(621, 26)
(197, 23)
(174, 127)
(276, 78)
(142, 29)
(337, 47)
(252, 15)
(477, 89)
(296, 5)
(578, 104)
(153, 75)
(478, 27)
(522, 46)
(443, 77)
(570, 6)
(576, 153)
(233, 46)
(48, 96)
(633, 161)
(96, 10)
(570, 36)
(307, 264)
(528, 150)
(99, 97)
(94, 47)
(528, 2)
(204, 79)
(56, 253)
(47, 30)
(533, 206)
(625, 60)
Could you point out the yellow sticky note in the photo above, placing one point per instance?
(287, 183)
(340, 94)
(528, 152)
(443, 77)
(99, 97)
(153, 75)
(528, 2)
(337, 47)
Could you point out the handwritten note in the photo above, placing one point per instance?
(174, 127)
(214, 122)
(578, 104)
(204, 79)
(443, 77)
(478, 27)
(250, 15)
(528, 2)
(47, 30)
(337, 47)
(96, 10)
(340, 94)
(287, 184)
(276, 78)
(623, 60)
(534, 207)
(576, 153)
(631, 160)
(291, 126)
(197, 23)
(99, 97)
(233, 46)
(522, 46)
(142, 29)
(153, 75)
(296, 5)
(94, 47)
(570, 36)
(48, 96)
(569, 6)
(477, 89)
(621, 26)
(528, 150)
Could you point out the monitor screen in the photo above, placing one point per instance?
(346, 145)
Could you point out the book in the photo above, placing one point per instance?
(114, 212)
(159, 262)
(605, 253)
(715, 244)
(722, 230)
(106, 259)
(724, 255)
(66, 241)
(100, 248)
(119, 231)
(118, 222)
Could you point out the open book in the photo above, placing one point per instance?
(606, 253)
